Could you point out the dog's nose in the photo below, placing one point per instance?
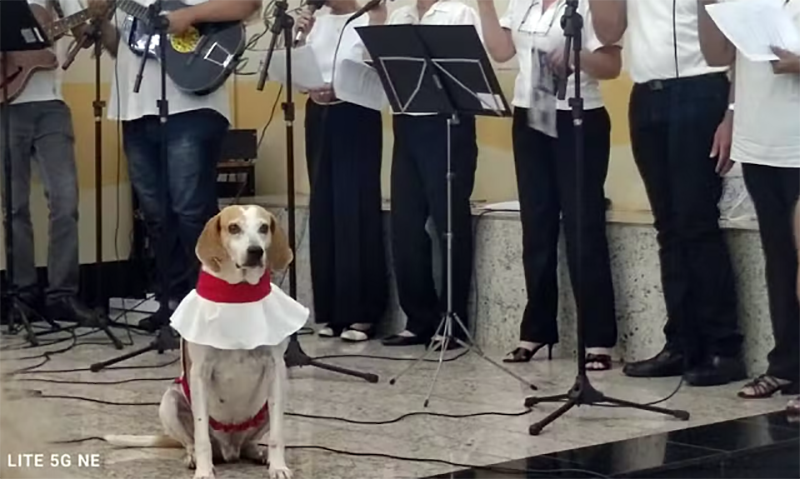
(255, 253)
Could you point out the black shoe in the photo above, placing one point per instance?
(32, 304)
(398, 340)
(716, 371)
(665, 364)
(155, 321)
(72, 310)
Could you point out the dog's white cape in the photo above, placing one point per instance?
(239, 325)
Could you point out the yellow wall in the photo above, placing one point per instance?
(251, 109)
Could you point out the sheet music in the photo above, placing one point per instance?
(306, 74)
(358, 83)
(754, 26)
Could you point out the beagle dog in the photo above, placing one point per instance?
(235, 328)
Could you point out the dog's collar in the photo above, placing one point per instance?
(219, 291)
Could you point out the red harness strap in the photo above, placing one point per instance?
(219, 291)
(253, 422)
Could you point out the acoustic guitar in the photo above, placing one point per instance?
(198, 61)
(22, 65)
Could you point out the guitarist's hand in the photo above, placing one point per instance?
(98, 8)
(180, 21)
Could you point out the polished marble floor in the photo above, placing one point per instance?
(427, 445)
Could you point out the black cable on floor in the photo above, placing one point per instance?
(120, 368)
(309, 416)
(96, 383)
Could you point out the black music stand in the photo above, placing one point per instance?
(444, 71)
(19, 31)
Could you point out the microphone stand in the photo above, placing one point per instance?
(284, 25)
(582, 392)
(93, 35)
(165, 339)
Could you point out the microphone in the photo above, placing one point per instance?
(312, 6)
(370, 5)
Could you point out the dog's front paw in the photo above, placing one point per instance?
(279, 472)
(204, 474)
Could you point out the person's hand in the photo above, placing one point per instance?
(721, 149)
(180, 21)
(323, 95)
(98, 8)
(305, 22)
(787, 62)
(556, 61)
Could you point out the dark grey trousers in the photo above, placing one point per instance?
(41, 134)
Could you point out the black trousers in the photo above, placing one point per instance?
(419, 192)
(548, 188)
(672, 126)
(348, 258)
(774, 192)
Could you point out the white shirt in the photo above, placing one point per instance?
(45, 85)
(650, 41)
(766, 122)
(531, 27)
(324, 37)
(126, 105)
(443, 12)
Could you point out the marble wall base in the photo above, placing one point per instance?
(498, 298)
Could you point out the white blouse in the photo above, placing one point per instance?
(324, 38)
(530, 27)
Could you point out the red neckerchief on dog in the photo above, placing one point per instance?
(216, 290)
(220, 291)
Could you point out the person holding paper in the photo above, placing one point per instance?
(344, 155)
(545, 167)
(419, 192)
(766, 141)
(678, 119)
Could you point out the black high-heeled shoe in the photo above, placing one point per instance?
(522, 355)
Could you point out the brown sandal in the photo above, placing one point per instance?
(766, 386)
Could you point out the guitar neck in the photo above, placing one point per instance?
(135, 9)
(59, 28)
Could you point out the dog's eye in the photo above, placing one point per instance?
(234, 229)
(264, 229)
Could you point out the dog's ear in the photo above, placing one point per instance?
(279, 255)
(209, 247)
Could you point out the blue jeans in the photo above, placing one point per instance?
(176, 199)
(41, 135)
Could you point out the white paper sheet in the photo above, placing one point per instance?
(306, 74)
(754, 26)
(358, 83)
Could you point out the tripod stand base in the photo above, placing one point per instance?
(165, 340)
(583, 393)
(296, 357)
(100, 322)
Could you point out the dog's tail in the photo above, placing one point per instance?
(159, 441)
